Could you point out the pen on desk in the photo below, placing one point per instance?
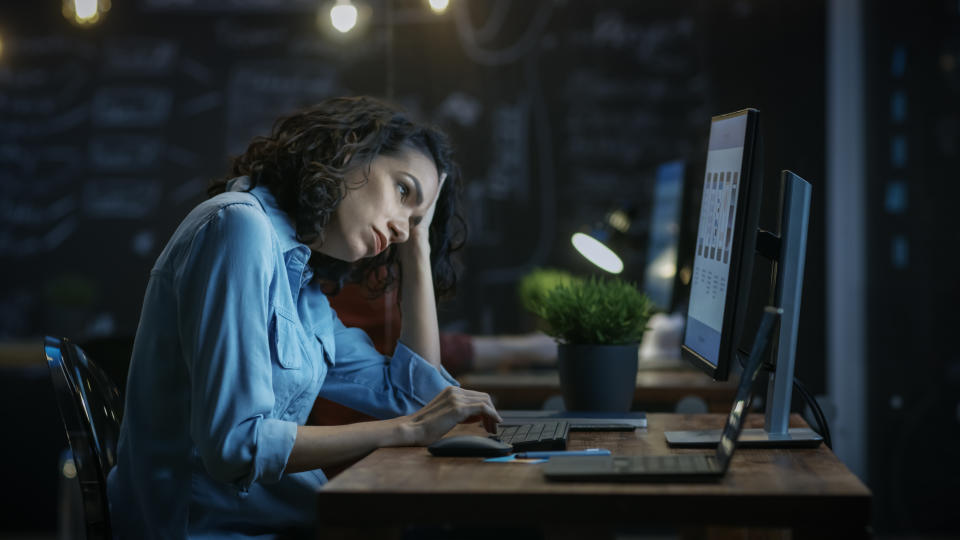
(550, 453)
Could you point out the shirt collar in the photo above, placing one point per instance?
(293, 250)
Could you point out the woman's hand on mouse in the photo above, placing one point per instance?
(450, 407)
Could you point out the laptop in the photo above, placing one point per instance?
(674, 467)
(578, 420)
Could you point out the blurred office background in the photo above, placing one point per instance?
(560, 111)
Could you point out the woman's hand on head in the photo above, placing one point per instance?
(419, 240)
(450, 407)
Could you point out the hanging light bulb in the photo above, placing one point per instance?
(85, 12)
(343, 16)
(85, 9)
(439, 6)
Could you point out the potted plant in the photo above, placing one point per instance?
(598, 325)
(535, 285)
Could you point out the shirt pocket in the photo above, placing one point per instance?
(324, 336)
(286, 341)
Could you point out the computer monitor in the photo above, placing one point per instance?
(727, 239)
(729, 214)
(664, 232)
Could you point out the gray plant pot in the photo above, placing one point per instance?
(597, 377)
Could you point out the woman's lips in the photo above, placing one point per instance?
(381, 241)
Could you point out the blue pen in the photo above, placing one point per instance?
(546, 454)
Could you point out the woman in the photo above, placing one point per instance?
(237, 339)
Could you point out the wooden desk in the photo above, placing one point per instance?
(806, 490)
(21, 354)
(657, 389)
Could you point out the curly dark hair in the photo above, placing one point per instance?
(303, 162)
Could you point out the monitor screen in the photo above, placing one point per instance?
(661, 267)
(723, 231)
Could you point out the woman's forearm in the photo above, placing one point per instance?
(419, 329)
(325, 446)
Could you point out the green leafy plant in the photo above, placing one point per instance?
(535, 286)
(594, 311)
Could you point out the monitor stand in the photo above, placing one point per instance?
(788, 253)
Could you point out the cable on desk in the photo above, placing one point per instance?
(817, 412)
(821, 420)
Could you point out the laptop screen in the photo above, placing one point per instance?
(741, 403)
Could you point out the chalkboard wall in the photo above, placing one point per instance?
(559, 110)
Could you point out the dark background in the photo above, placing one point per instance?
(913, 151)
(559, 110)
(559, 113)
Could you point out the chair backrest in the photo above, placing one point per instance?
(90, 407)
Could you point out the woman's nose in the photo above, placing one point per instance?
(399, 231)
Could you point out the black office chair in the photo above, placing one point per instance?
(90, 407)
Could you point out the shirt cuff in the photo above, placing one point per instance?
(417, 377)
(275, 440)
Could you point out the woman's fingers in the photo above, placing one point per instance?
(428, 214)
(489, 424)
(485, 398)
(485, 413)
(455, 405)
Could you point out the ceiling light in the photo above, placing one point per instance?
(439, 6)
(343, 16)
(85, 12)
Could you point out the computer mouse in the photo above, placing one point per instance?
(469, 446)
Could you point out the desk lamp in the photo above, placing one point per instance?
(594, 242)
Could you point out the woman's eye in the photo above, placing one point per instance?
(404, 191)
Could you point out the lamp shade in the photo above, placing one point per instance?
(592, 247)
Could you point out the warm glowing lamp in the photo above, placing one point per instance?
(343, 16)
(439, 6)
(85, 9)
(85, 12)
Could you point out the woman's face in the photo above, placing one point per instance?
(399, 189)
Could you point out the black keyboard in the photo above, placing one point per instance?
(537, 436)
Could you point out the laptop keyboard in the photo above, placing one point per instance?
(535, 436)
(682, 463)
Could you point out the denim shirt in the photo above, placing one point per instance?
(234, 345)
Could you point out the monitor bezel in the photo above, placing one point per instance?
(743, 246)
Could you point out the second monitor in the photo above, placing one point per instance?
(727, 239)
